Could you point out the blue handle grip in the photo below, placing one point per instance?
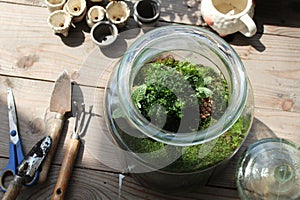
(11, 168)
(16, 156)
(13, 162)
(19, 151)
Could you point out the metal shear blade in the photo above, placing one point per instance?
(13, 130)
(16, 155)
(15, 146)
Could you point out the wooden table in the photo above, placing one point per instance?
(32, 57)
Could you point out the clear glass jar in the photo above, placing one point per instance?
(269, 169)
(168, 159)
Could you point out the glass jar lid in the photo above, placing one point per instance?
(269, 169)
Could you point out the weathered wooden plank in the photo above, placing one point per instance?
(273, 70)
(46, 41)
(93, 185)
(36, 53)
(282, 30)
(267, 124)
(188, 12)
(98, 152)
(30, 51)
(26, 2)
(276, 85)
(279, 13)
(32, 101)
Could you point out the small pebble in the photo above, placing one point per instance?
(190, 3)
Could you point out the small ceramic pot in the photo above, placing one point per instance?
(117, 12)
(229, 16)
(77, 9)
(97, 0)
(104, 33)
(53, 5)
(146, 12)
(60, 22)
(95, 14)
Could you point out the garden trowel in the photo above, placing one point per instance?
(60, 103)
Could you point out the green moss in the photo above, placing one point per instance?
(202, 156)
(195, 157)
(174, 89)
(168, 88)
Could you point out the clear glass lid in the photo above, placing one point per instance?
(269, 169)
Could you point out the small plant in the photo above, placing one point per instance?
(167, 90)
(174, 89)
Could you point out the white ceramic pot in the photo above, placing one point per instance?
(53, 5)
(104, 33)
(229, 16)
(95, 14)
(117, 12)
(146, 12)
(60, 22)
(77, 9)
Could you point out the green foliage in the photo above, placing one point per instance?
(168, 88)
(202, 156)
(139, 94)
(195, 157)
(177, 86)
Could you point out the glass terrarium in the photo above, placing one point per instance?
(269, 169)
(180, 105)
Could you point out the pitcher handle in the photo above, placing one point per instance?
(250, 27)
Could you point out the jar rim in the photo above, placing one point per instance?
(236, 102)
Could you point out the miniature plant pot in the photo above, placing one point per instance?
(104, 33)
(95, 14)
(146, 12)
(77, 9)
(53, 5)
(180, 105)
(60, 22)
(117, 12)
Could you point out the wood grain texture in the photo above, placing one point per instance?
(37, 60)
(98, 146)
(33, 119)
(14, 188)
(66, 169)
(49, 53)
(32, 57)
(94, 185)
(99, 153)
(188, 12)
(53, 129)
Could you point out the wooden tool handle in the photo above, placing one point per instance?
(14, 188)
(66, 169)
(55, 126)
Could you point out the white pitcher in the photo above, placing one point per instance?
(229, 16)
